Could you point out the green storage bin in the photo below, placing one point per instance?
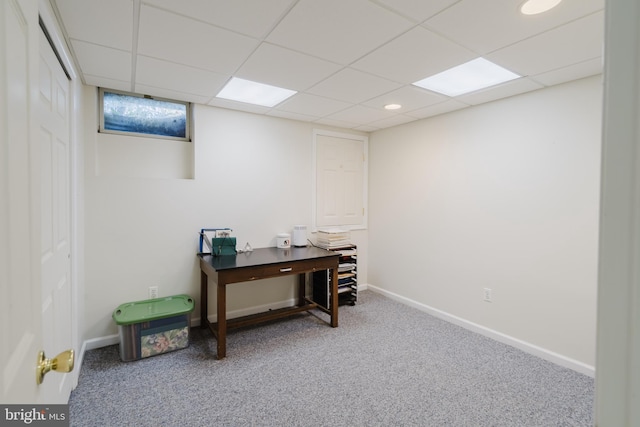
(150, 327)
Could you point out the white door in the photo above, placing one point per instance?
(340, 180)
(20, 303)
(35, 294)
(55, 244)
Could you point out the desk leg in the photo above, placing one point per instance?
(204, 299)
(302, 284)
(222, 319)
(334, 297)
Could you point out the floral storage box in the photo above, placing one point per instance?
(154, 326)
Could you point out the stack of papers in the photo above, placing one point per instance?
(333, 238)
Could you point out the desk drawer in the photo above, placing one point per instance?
(275, 270)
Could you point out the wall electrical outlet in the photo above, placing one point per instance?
(153, 292)
(487, 294)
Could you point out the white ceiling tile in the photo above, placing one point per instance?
(292, 116)
(285, 68)
(487, 25)
(410, 97)
(441, 108)
(107, 83)
(361, 114)
(337, 123)
(504, 90)
(171, 94)
(353, 86)
(396, 120)
(234, 105)
(107, 23)
(186, 41)
(178, 78)
(337, 30)
(576, 42)
(252, 17)
(366, 128)
(103, 61)
(415, 55)
(572, 72)
(417, 10)
(312, 105)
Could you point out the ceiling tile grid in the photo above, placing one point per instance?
(249, 17)
(286, 68)
(560, 47)
(410, 97)
(417, 10)
(101, 61)
(345, 59)
(353, 86)
(413, 56)
(174, 38)
(338, 30)
(102, 23)
(312, 105)
(161, 74)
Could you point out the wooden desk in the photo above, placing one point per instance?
(262, 264)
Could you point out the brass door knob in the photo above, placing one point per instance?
(61, 363)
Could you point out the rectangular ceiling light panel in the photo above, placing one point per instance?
(468, 77)
(254, 93)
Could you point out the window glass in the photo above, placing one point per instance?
(131, 113)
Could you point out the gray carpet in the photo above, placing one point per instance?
(385, 365)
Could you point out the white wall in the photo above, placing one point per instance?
(504, 196)
(251, 173)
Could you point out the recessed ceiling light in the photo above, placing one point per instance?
(533, 7)
(254, 93)
(468, 77)
(392, 107)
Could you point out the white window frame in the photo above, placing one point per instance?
(365, 168)
(188, 124)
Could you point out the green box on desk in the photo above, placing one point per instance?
(153, 326)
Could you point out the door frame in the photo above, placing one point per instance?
(617, 400)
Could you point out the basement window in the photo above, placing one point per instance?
(142, 115)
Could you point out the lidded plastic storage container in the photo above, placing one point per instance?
(150, 327)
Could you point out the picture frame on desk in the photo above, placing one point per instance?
(208, 234)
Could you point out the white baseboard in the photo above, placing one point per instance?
(556, 358)
(100, 342)
(498, 336)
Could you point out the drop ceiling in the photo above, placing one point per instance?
(345, 58)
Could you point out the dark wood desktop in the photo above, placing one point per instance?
(259, 264)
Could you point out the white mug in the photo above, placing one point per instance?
(283, 240)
